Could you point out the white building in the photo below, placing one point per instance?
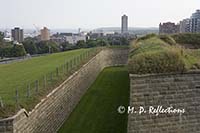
(124, 26)
(185, 25)
(74, 38)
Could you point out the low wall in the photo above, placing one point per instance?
(53, 110)
(180, 91)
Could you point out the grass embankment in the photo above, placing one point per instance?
(97, 110)
(190, 40)
(18, 75)
(161, 54)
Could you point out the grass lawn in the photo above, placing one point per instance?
(19, 74)
(97, 110)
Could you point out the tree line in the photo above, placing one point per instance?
(32, 46)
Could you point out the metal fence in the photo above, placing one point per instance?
(31, 92)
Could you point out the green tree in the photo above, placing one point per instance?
(30, 46)
(1, 36)
(64, 46)
(81, 44)
(102, 42)
(124, 41)
(47, 47)
(18, 50)
(6, 50)
(91, 43)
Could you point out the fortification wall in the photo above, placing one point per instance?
(180, 91)
(55, 108)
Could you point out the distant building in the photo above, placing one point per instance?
(124, 26)
(169, 28)
(74, 38)
(185, 25)
(96, 35)
(45, 34)
(17, 34)
(58, 38)
(195, 22)
(5, 33)
(68, 37)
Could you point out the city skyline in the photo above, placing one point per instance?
(91, 14)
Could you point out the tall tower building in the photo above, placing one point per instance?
(195, 22)
(124, 26)
(45, 34)
(17, 34)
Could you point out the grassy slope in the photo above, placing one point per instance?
(188, 38)
(152, 44)
(155, 44)
(97, 110)
(16, 74)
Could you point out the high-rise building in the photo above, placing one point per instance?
(185, 25)
(17, 34)
(124, 26)
(195, 22)
(169, 28)
(45, 34)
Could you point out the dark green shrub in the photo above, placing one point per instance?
(18, 50)
(156, 62)
(47, 46)
(187, 38)
(12, 51)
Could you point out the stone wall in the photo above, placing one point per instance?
(180, 91)
(53, 110)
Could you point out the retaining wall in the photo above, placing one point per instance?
(53, 110)
(180, 91)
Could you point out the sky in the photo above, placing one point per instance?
(90, 14)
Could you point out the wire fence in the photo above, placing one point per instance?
(25, 95)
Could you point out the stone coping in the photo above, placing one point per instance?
(163, 74)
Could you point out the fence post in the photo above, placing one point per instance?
(87, 54)
(45, 81)
(51, 75)
(36, 86)
(67, 66)
(16, 96)
(75, 62)
(71, 65)
(28, 90)
(1, 102)
(76, 58)
(80, 57)
(57, 71)
(63, 67)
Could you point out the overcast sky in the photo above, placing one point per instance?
(93, 13)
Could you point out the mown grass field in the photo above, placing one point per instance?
(19, 74)
(97, 110)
